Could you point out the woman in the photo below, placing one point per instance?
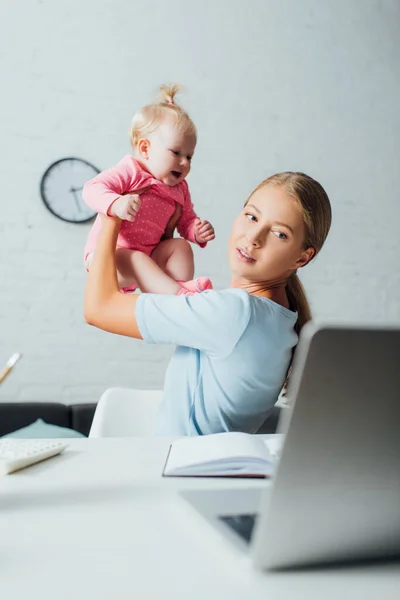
(234, 347)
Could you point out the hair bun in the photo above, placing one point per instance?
(168, 93)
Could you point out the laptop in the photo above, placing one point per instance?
(335, 493)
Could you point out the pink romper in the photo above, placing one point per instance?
(157, 207)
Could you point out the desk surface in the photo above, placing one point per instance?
(100, 522)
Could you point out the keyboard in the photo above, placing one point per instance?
(18, 454)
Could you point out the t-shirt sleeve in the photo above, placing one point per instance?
(212, 322)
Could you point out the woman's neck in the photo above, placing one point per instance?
(275, 290)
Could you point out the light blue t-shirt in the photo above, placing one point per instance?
(233, 352)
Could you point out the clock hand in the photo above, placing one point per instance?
(76, 199)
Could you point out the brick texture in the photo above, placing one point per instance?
(305, 86)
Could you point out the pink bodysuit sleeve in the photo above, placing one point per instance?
(101, 191)
(186, 223)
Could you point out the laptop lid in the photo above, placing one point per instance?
(336, 494)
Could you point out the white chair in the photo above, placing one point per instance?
(123, 412)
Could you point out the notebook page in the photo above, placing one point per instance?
(215, 447)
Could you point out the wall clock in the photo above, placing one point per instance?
(61, 189)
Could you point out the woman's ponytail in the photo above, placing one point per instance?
(298, 301)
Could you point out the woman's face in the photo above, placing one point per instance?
(267, 238)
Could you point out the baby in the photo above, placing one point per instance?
(148, 191)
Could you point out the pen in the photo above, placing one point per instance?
(9, 365)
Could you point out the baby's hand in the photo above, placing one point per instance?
(203, 231)
(125, 207)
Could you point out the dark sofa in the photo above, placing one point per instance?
(14, 415)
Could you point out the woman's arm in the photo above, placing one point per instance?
(105, 306)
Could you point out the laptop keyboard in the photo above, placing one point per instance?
(243, 525)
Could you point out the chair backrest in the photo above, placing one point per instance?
(123, 412)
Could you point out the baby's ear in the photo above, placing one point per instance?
(143, 146)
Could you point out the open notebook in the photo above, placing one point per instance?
(223, 455)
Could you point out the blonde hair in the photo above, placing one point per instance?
(148, 118)
(317, 216)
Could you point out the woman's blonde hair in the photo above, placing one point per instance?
(317, 215)
(148, 118)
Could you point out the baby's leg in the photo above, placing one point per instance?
(175, 258)
(135, 266)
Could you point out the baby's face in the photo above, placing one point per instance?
(169, 153)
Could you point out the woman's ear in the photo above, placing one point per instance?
(305, 258)
(143, 146)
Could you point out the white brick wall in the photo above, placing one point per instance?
(308, 85)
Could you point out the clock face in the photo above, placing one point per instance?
(61, 189)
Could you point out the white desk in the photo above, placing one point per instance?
(100, 522)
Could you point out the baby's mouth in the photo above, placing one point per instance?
(176, 174)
